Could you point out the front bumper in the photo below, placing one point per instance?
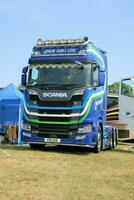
(83, 140)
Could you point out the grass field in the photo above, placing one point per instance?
(66, 174)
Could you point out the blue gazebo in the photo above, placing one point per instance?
(11, 107)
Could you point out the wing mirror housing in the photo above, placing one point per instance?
(24, 76)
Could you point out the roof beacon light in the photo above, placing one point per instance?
(71, 41)
(85, 38)
(40, 42)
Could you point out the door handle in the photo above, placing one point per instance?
(128, 113)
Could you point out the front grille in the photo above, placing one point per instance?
(58, 131)
(67, 103)
(48, 114)
(75, 100)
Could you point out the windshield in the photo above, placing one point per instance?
(60, 75)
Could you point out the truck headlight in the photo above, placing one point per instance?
(26, 127)
(33, 92)
(85, 129)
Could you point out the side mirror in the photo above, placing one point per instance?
(23, 80)
(24, 76)
(24, 70)
(101, 78)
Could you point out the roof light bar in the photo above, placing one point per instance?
(76, 41)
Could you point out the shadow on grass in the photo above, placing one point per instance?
(64, 149)
(52, 149)
(69, 150)
(124, 150)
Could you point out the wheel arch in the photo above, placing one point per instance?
(100, 123)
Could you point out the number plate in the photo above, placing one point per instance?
(52, 140)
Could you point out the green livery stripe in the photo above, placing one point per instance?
(35, 121)
(93, 50)
(89, 108)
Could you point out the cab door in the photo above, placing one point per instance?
(126, 102)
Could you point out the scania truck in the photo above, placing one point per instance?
(66, 95)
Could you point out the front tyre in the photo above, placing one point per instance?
(114, 139)
(99, 145)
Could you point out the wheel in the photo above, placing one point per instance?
(37, 146)
(114, 139)
(99, 144)
(111, 142)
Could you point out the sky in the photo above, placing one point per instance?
(109, 24)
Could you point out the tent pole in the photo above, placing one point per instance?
(19, 126)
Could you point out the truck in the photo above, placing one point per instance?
(65, 97)
(126, 100)
(120, 111)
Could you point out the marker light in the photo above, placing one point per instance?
(55, 41)
(79, 40)
(65, 41)
(61, 41)
(47, 42)
(71, 41)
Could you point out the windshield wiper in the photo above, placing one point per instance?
(69, 85)
(81, 67)
(55, 85)
(47, 85)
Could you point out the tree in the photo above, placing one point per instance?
(114, 88)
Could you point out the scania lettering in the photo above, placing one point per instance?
(65, 95)
(50, 94)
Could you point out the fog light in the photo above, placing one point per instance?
(26, 127)
(70, 133)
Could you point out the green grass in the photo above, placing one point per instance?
(66, 174)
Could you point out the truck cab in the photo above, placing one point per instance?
(65, 95)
